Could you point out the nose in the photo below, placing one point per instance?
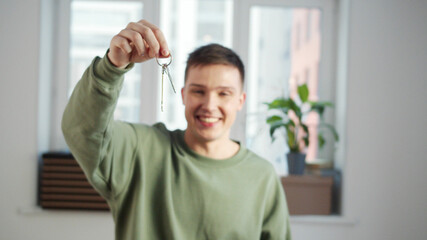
(210, 102)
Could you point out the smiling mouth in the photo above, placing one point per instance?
(208, 121)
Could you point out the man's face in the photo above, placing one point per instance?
(212, 95)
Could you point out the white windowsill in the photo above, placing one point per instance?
(37, 210)
(298, 220)
(328, 220)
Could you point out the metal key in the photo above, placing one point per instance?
(165, 69)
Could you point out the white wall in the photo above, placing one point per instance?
(19, 218)
(387, 115)
(386, 157)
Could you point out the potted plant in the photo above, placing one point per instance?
(288, 114)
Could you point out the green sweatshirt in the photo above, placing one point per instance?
(155, 185)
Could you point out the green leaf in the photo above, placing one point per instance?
(306, 141)
(321, 140)
(306, 136)
(321, 103)
(305, 127)
(273, 128)
(274, 120)
(290, 135)
(303, 92)
(326, 104)
(332, 129)
(290, 123)
(278, 103)
(320, 107)
(291, 139)
(294, 107)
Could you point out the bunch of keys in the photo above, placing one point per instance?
(165, 69)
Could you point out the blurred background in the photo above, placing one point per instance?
(367, 57)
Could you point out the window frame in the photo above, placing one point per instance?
(59, 62)
(327, 67)
(60, 70)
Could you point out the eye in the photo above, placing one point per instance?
(197, 91)
(224, 94)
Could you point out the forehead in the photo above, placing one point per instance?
(214, 75)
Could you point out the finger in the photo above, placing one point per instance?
(164, 49)
(139, 53)
(148, 36)
(121, 43)
(135, 38)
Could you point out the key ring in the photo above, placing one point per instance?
(165, 64)
(165, 70)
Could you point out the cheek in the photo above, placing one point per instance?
(190, 103)
(188, 112)
(231, 107)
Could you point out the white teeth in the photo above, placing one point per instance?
(209, 120)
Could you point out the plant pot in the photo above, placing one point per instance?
(296, 163)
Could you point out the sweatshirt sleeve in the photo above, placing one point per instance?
(104, 148)
(276, 219)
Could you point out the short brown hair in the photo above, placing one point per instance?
(214, 54)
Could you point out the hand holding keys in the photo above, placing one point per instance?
(138, 42)
(165, 69)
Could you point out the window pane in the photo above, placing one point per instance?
(93, 24)
(284, 53)
(188, 24)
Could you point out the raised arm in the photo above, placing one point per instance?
(102, 146)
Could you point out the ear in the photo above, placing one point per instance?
(242, 99)
(182, 96)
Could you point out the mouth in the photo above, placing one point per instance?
(208, 121)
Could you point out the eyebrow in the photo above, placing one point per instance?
(220, 87)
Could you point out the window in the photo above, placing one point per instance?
(308, 25)
(93, 24)
(278, 60)
(297, 35)
(188, 25)
(272, 74)
(263, 33)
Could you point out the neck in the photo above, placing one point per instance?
(216, 149)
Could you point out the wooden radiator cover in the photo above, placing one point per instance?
(63, 185)
(308, 195)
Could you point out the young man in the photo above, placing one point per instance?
(161, 184)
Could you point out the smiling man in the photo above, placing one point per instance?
(212, 95)
(162, 184)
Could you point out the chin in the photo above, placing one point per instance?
(207, 137)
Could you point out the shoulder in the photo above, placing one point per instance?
(257, 160)
(149, 133)
(266, 175)
(258, 164)
(157, 128)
